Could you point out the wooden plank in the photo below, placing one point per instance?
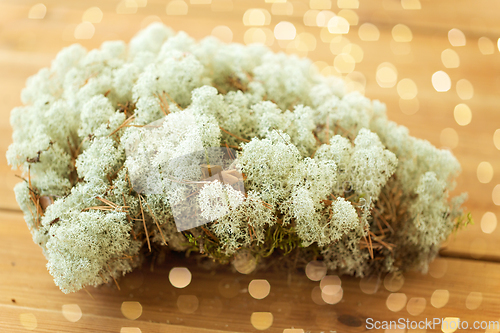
(27, 45)
(224, 301)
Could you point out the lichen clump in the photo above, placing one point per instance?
(327, 175)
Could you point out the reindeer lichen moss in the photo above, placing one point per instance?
(327, 175)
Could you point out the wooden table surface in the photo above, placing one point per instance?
(463, 283)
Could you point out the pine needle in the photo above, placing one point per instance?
(111, 274)
(233, 135)
(231, 146)
(144, 221)
(172, 100)
(328, 129)
(35, 199)
(125, 123)
(164, 105)
(88, 292)
(209, 234)
(156, 221)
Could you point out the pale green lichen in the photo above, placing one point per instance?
(327, 175)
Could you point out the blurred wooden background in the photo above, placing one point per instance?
(392, 51)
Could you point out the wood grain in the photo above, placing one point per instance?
(26, 287)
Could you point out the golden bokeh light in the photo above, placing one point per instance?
(478, 248)
(332, 295)
(350, 15)
(338, 25)
(486, 45)
(496, 138)
(355, 51)
(144, 3)
(407, 89)
(462, 114)
(293, 330)
(187, 303)
(449, 138)
(474, 300)
(386, 75)
(369, 285)
(317, 67)
(401, 33)
(394, 281)
(285, 31)
(200, 2)
(177, 8)
(297, 47)
(316, 296)
(261, 320)
(315, 270)
(456, 37)
(256, 17)
(84, 30)
(180, 277)
(450, 324)
(441, 81)
(28, 321)
(416, 305)
(308, 40)
(224, 33)
(440, 298)
(338, 44)
(350, 4)
(72, 312)
(129, 7)
(320, 4)
(37, 12)
(495, 195)
(282, 8)
(310, 17)
(465, 90)
(438, 268)
(411, 4)
(488, 222)
(331, 282)
(259, 35)
(498, 44)
(259, 288)
(368, 32)
(344, 63)
(323, 17)
(130, 330)
(244, 262)
(396, 301)
(409, 106)
(356, 77)
(450, 58)
(484, 172)
(131, 310)
(92, 15)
